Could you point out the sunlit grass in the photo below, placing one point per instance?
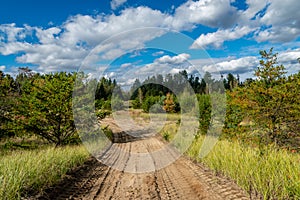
(275, 174)
(21, 171)
(272, 173)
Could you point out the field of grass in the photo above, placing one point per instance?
(25, 170)
(269, 172)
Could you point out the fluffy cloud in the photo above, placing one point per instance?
(47, 36)
(274, 21)
(12, 33)
(14, 47)
(254, 9)
(159, 53)
(126, 65)
(290, 56)
(212, 13)
(278, 34)
(245, 66)
(67, 45)
(51, 57)
(128, 72)
(114, 4)
(240, 65)
(283, 18)
(64, 47)
(2, 68)
(217, 39)
(177, 60)
(290, 60)
(93, 30)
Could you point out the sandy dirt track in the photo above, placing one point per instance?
(182, 179)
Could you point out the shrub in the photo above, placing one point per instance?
(149, 102)
(101, 114)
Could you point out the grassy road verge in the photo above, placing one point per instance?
(274, 174)
(269, 173)
(21, 171)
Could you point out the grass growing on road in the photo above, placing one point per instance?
(21, 171)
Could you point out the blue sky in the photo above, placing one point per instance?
(210, 35)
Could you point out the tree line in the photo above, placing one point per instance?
(264, 110)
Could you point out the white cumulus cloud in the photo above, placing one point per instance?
(65, 46)
(178, 59)
(114, 4)
(2, 67)
(240, 65)
(212, 13)
(217, 39)
(283, 21)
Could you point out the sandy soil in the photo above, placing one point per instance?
(137, 172)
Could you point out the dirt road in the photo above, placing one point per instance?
(182, 179)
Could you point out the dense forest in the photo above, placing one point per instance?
(260, 111)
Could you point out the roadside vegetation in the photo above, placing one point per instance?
(266, 172)
(269, 173)
(258, 148)
(24, 171)
(39, 143)
(260, 141)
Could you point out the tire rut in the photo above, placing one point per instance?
(181, 179)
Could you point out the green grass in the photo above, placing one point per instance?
(273, 173)
(169, 116)
(21, 171)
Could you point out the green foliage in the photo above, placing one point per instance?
(270, 102)
(45, 108)
(149, 102)
(101, 114)
(136, 104)
(99, 103)
(116, 103)
(159, 85)
(166, 135)
(273, 175)
(105, 88)
(34, 170)
(106, 105)
(231, 82)
(188, 102)
(205, 108)
(108, 132)
(234, 116)
(7, 101)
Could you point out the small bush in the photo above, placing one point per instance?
(106, 105)
(149, 102)
(101, 114)
(166, 135)
(108, 132)
(136, 104)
